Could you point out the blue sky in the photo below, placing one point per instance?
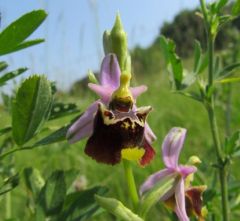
(73, 32)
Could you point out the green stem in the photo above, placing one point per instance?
(15, 150)
(228, 110)
(223, 173)
(217, 144)
(131, 183)
(222, 165)
(211, 56)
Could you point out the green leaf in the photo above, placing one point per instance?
(197, 57)
(232, 144)
(3, 65)
(10, 75)
(116, 208)
(70, 177)
(9, 184)
(30, 108)
(220, 5)
(208, 195)
(216, 64)
(192, 95)
(33, 180)
(14, 35)
(52, 195)
(80, 206)
(236, 8)
(5, 130)
(224, 19)
(175, 62)
(229, 80)
(27, 44)
(234, 186)
(61, 110)
(226, 71)
(39, 214)
(150, 198)
(57, 136)
(204, 64)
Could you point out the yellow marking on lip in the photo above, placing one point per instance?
(133, 154)
(126, 125)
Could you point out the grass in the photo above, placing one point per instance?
(169, 110)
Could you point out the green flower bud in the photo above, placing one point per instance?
(107, 42)
(193, 160)
(115, 41)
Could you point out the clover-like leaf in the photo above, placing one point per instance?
(10, 75)
(61, 110)
(13, 36)
(52, 195)
(80, 206)
(3, 65)
(30, 108)
(34, 181)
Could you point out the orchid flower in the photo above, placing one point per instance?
(179, 197)
(104, 118)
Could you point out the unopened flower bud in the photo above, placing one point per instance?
(115, 41)
(193, 160)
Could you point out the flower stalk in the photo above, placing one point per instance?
(131, 183)
(210, 106)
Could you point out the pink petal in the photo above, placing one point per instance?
(110, 72)
(180, 208)
(153, 179)
(82, 133)
(105, 92)
(186, 170)
(148, 133)
(83, 127)
(172, 146)
(136, 91)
